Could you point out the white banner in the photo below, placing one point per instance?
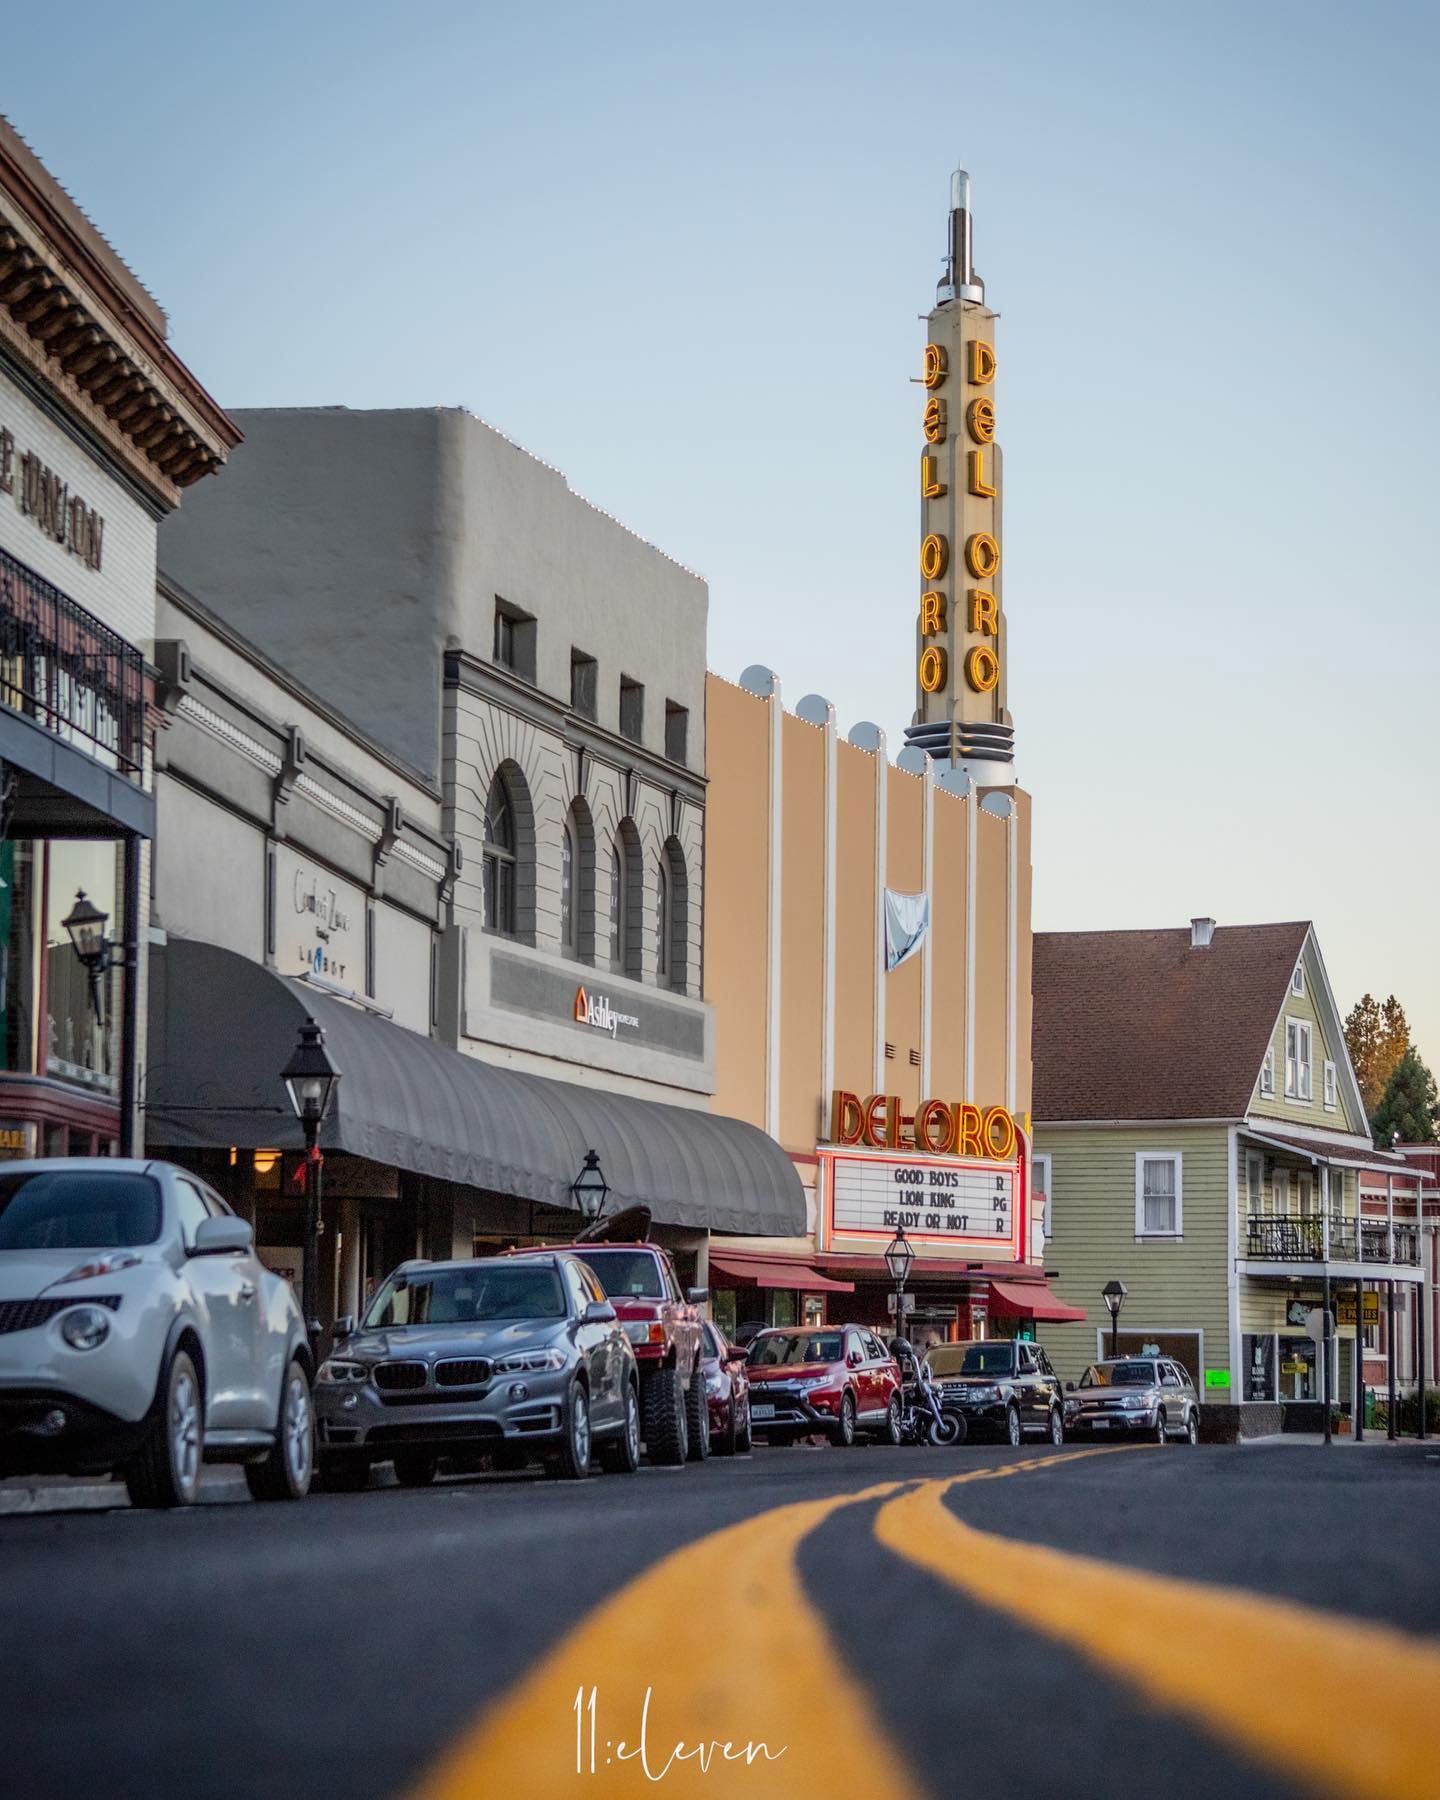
(907, 919)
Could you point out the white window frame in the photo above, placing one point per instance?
(1267, 1075)
(1254, 1190)
(1170, 1156)
(1297, 980)
(1305, 1195)
(1280, 1194)
(1044, 1161)
(1331, 1089)
(1300, 1069)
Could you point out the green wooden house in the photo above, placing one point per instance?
(1200, 1137)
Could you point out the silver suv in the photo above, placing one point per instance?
(1150, 1394)
(506, 1358)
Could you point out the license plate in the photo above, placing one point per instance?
(761, 1411)
(1100, 1424)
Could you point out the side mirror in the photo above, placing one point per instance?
(223, 1236)
(854, 1359)
(735, 1354)
(343, 1327)
(1069, 1387)
(598, 1312)
(697, 1296)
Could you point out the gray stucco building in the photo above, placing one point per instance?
(541, 667)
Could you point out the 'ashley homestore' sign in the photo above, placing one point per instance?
(596, 1011)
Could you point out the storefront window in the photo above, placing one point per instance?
(784, 1310)
(80, 1022)
(723, 1307)
(1260, 1367)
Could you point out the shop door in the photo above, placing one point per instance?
(1299, 1369)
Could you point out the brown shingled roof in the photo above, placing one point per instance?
(1138, 1025)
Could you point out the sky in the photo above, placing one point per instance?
(684, 254)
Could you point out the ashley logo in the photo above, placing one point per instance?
(595, 1010)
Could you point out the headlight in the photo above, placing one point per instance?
(85, 1327)
(811, 1381)
(980, 1393)
(532, 1359)
(1135, 1402)
(645, 1331)
(109, 1264)
(336, 1372)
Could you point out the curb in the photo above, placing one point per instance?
(65, 1494)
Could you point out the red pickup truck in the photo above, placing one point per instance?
(663, 1322)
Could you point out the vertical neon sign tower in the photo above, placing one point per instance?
(961, 719)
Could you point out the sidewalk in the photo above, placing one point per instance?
(64, 1493)
(1371, 1440)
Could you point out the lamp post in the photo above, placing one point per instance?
(1113, 1294)
(310, 1079)
(98, 953)
(589, 1190)
(899, 1258)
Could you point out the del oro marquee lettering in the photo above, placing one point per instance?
(981, 550)
(936, 1128)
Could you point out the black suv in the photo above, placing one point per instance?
(1005, 1387)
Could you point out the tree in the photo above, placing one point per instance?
(1377, 1037)
(1409, 1105)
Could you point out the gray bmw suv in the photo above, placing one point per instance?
(510, 1359)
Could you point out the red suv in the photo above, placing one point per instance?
(663, 1323)
(839, 1379)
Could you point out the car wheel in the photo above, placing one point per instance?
(892, 1433)
(285, 1473)
(844, 1430)
(697, 1411)
(1160, 1437)
(662, 1409)
(415, 1468)
(572, 1461)
(620, 1455)
(1192, 1429)
(165, 1470)
(1057, 1425)
(744, 1436)
(1012, 1426)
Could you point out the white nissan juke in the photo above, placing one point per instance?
(140, 1334)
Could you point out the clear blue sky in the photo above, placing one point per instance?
(681, 254)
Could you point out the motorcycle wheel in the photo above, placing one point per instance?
(948, 1429)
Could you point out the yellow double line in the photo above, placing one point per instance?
(718, 1646)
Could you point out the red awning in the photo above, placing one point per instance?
(1031, 1300)
(759, 1273)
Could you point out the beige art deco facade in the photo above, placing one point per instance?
(805, 831)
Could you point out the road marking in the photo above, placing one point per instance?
(723, 1634)
(1273, 1676)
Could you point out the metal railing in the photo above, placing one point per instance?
(1315, 1237)
(62, 667)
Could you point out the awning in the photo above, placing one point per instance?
(1380, 1162)
(1031, 1300)
(757, 1273)
(222, 1026)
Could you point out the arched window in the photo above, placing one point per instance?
(664, 923)
(619, 904)
(499, 860)
(570, 897)
(673, 961)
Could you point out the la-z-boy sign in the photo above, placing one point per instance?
(946, 1202)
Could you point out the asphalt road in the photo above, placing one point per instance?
(881, 1632)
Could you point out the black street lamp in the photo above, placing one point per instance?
(1113, 1294)
(899, 1259)
(590, 1190)
(310, 1079)
(98, 954)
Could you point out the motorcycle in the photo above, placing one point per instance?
(923, 1417)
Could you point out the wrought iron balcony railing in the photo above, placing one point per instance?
(62, 667)
(1316, 1238)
